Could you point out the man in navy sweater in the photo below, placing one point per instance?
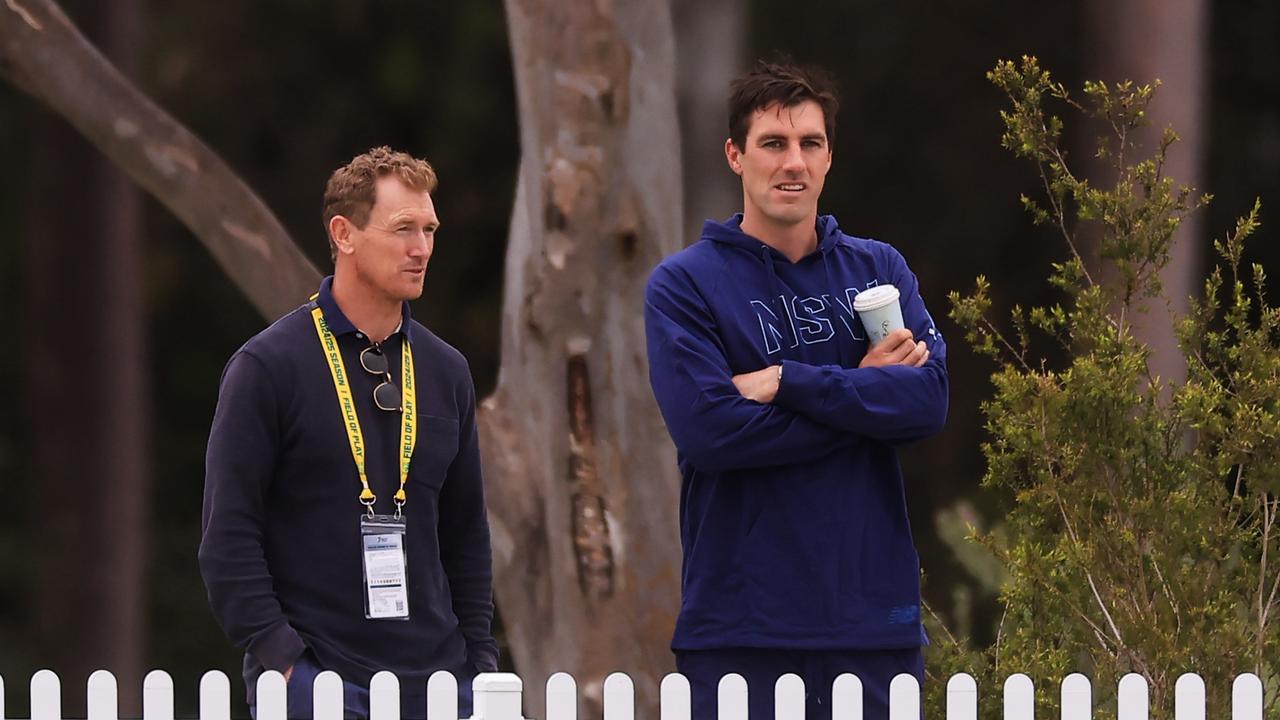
(344, 522)
(798, 555)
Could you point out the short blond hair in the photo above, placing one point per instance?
(351, 190)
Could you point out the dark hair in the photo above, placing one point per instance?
(784, 83)
(350, 191)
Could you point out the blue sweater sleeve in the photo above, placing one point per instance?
(241, 455)
(896, 404)
(713, 426)
(464, 540)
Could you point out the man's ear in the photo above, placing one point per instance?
(733, 155)
(340, 230)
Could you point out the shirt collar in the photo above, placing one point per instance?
(338, 322)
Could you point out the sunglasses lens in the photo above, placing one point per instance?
(372, 360)
(387, 396)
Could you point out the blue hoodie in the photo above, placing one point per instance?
(793, 515)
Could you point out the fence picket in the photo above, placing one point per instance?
(46, 696)
(326, 696)
(157, 696)
(619, 697)
(442, 696)
(675, 696)
(1019, 698)
(562, 697)
(962, 697)
(1246, 698)
(215, 696)
(904, 698)
(384, 696)
(1133, 698)
(788, 698)
(272, 696)
(1077, 697)
(102, 697)
(731, 695)
(846, 698)
(1188, 698)
(2, 699)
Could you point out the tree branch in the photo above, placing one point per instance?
(43, 54)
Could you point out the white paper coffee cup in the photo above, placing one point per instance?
(879, 311)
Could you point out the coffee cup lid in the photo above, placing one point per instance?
(875, 298)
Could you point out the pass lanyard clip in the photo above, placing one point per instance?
(351, 423)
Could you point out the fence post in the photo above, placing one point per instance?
(619, 697)
(1019, 698)
(1188, 698)
(46, 696)
(497, 697)
(1077, 697)
(788, 698)
(1246, 698)
(731, 697)
(102, 698)
(384, 697)
(846, 697)
(215, 696)
(1, 697)
(904, 698)
(1133, 700)
(677, 698)
(962, 697)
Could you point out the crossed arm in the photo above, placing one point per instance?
(721, 421)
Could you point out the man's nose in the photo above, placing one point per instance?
(421, 244)
(793, 159)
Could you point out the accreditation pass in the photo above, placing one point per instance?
(386, 591)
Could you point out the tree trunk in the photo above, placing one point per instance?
(42, 53)
(711, 40)
(583, 490)
(88, 402)
(1143, 40)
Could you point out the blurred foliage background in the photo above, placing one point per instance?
(287, 90)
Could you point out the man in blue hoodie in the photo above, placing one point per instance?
(798, 556)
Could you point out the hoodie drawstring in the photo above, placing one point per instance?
(775, 289)
(841, 342)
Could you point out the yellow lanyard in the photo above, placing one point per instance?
(347, 404)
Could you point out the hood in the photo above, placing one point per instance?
(730, 233)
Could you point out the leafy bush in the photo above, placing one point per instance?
(1143, 531)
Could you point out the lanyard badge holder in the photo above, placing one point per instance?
(382, 545)
(383, 551)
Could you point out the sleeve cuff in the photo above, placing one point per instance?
(801, 387)
(277, 648)
(483, 658)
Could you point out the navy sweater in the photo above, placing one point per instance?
(793, 515)
(280, 551)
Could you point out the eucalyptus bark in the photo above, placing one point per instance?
(581, 476)
(1145, 40)
(42, 53)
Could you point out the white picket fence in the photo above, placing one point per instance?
(497, 696)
